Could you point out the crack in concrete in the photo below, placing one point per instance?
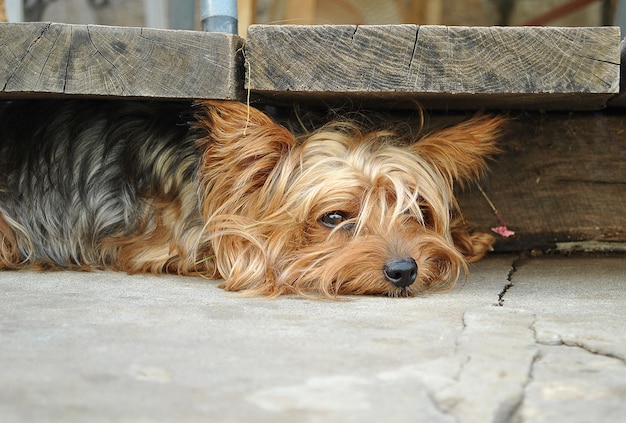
(552, 338)
(514, 415)
(500, 345)
(517, 415)
(464, 359)
(581, 345)
(511, 415)
(510, 284)
(502, 293)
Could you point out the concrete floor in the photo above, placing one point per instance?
(102, 347)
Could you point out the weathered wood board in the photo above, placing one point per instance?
(439, 66)
(561, 178)
(52, 58)
(386, 66)
(620, 100)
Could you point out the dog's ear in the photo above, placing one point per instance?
(460, 152)
(242, 145)
(472, 245)
(242, 154)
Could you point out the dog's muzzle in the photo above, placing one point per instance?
(401, 272)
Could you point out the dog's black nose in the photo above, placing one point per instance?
(402, 272)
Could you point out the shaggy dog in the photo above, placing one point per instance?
(221, 190)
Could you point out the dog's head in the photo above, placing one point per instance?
(338, 211)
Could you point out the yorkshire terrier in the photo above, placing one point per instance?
(221, 190)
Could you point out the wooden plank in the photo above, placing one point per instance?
(561, 179)
(620, 100)
(442, 67)
(52, 58)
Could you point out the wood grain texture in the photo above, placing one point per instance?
(620, 100)
(562, 178)
(114, 61)
(443, 67)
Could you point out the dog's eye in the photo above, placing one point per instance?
(333, 219)
(425, 211)
(426, 216)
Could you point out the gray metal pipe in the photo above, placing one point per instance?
(219, 16)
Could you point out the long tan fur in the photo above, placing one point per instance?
(230, 193)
